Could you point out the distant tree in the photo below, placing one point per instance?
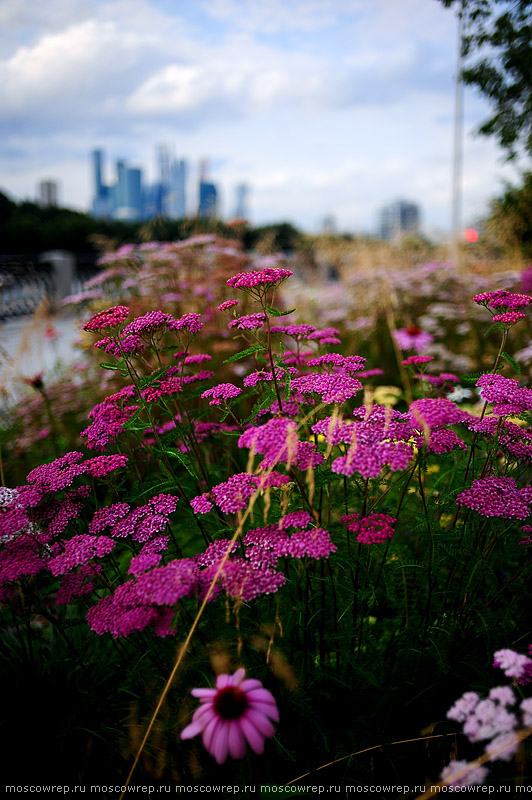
(29, 228)
(509, 224)
(497, 50)
(7, 207)
(272, 238)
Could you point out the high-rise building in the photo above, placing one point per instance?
(172, 183)
(397, 219)
(174, 204)
(101, 202)
(128, 198)
(128, 193)
(48, 194)
(208, 200)
(208, 194)
(97, 157)
(241, 205)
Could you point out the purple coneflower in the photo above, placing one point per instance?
(235, 712)
(412, 338)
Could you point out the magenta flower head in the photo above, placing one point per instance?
(110, 318)
(237, 711)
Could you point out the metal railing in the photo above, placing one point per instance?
(28, 280)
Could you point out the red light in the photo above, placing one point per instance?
(471, 235)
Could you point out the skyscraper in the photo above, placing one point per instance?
(48, 194)
(172, 182)
(174, 203)
(208, 194)
(208, 200)
(397, 219)
(241, 206)
(128, 196)
(101, 203)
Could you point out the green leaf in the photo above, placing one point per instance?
(185, 461)
(497, 326)
(135, 423)
(472, 377)
(275, 313)
(119, 365)
(266, 401)
(512, 362)
(243, 353)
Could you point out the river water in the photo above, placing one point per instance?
(30, 345)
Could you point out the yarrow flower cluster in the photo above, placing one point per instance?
(269, 276)
(345, 363)
(188, 322)
(441, 379)
(223, 391)
(494, 720)
(417, 360)
(509, 317)
(372, 529)
(80, 550)
(435, 412)
(110, 318)
(148, 323)
(497, 497)
(278, 442)
(506, 395)
(502, 299)
(334, 388)
(515, 665)
(383, 437)
(300, 331)
(249, 322)
(126, 345)
(108, 419)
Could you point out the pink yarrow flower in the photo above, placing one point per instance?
(373, 529)
(224, 391)
(503, 299)
(461, 773)
(110, 318)
(236, 712)
(188, 322)
(515, 665)
(497, 497)
(249, 322)
(417, 360)
(269, 276)
(148, 323)
(509, 317)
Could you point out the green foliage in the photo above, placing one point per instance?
(383, 637)
(29, 228)
(509, 222)
(497, 46)
(256, 348)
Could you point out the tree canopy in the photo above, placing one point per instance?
(29, 228)
(497, 51)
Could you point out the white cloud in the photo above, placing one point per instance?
(320, 105)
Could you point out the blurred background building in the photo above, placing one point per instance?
(397, 219)
(47, 194)
(130, 198)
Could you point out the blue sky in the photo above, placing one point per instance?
(324, 107)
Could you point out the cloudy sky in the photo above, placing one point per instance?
(324, 107)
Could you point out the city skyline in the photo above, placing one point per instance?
(326, 108)
(129, 197)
